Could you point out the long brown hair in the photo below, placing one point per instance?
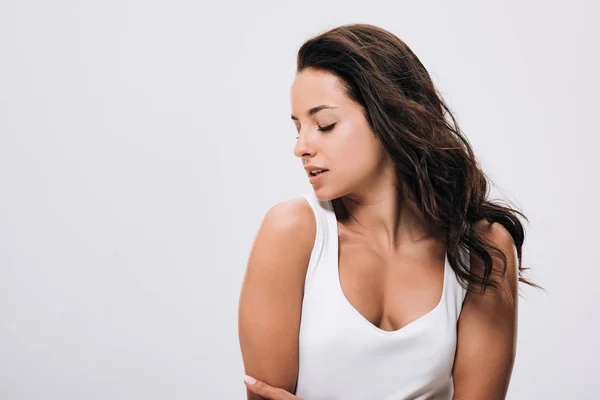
(434, 160)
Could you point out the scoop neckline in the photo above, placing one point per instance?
(364, 320)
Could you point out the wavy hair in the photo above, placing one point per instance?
(434, 161)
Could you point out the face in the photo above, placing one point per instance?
(338, 139)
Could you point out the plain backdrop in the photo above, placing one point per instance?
(142, 142)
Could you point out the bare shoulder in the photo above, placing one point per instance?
(498, 235)
(292, 217)
(270, 304)
(495, 232)
(506, 276)
(288, 230)
(284, 241)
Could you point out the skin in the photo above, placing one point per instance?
(391, 266)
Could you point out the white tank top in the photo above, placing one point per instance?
(344, 356)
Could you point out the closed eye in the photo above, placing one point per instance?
(326, 128)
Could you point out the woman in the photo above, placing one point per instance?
(396, 278)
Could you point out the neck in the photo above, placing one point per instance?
(386, 217)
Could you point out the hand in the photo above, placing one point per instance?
(266, 391)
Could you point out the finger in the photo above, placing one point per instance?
(265, 390)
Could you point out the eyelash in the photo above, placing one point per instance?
(324, 129)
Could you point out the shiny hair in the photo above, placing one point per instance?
(434, 160)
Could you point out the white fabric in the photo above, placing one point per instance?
(344, 356)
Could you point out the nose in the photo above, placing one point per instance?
(304, 146)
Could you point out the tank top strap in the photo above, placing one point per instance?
(320, 214)
(456, 293)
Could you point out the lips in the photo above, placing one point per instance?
(317, 179)
(311, 173)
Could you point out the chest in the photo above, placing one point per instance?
(390, 292)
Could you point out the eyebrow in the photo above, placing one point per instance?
(314, 110)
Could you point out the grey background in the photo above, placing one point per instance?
(141, 143)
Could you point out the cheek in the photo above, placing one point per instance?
(358, 155)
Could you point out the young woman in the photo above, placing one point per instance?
(395, 278)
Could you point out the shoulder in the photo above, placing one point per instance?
(280, 254)
(286, 234)
(494, 232)
(291, 220)
(291, 214)
(505, 275)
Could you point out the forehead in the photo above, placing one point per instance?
(311, 88)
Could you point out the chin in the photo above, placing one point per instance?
(322, 194)
(325, 195)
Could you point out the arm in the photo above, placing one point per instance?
(487, 327)
(270, 302)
